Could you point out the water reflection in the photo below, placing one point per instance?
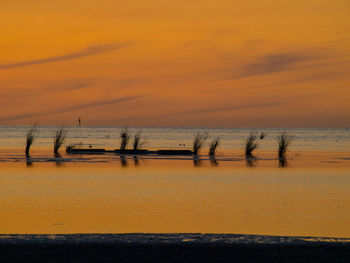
(161, 193)
(251, 161)
(58, 160)
(29, 162)
(197, 161)
(123, 161)
(136, 161)
(282, 162)
(213, 161)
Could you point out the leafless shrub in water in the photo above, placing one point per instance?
(250, 145)
(31, 133)
(198, 141)
(213, 146)
(284, 140)
(124, 139)
(59, 138)
(139, 141)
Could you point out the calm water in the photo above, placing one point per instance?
(336, 140)
(113, 194)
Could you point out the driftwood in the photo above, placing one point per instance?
(127, 151)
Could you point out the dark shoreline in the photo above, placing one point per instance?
(171, 248)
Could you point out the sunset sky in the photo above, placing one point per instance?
(222, 63)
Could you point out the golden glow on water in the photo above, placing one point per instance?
(174, 196)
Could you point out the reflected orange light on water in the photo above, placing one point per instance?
(173, 196)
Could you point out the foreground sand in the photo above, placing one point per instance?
(171, 248)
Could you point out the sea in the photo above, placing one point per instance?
(306, 195)
(231, 139)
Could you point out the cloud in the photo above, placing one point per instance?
(230, 108)
(266, 64)
(10, 93)
(274, 62)
(324, 54)
(236, 107)
(89, 51)
(70, 108)
(322, 57)
(300, 81)
(208, 110)
(98, 103)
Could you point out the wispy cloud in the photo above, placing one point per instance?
(9, 93)
(98, 103)
(317, 55)
(70, 108)
(89, 51)
(324, 76)
(262, 65)
(167, 114)
(208, 110)
(229, 108)
(274, 62)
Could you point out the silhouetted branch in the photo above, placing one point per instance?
(284, 140)
(198, 141)
(31, 134)
(124, 139)
(213, 146)
(250, 145)
(139, 140)
(60, 136)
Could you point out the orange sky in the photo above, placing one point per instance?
(175, 63)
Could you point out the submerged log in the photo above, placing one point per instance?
(125, 151)
(174, 152)
(81, 150)
(130, 152)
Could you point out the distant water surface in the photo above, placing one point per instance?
(173, 196)
(306, 196)
(336, 140)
